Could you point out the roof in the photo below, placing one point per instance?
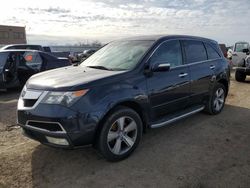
(242, 42)
(19, 50)
(13, 45)
(167, 36)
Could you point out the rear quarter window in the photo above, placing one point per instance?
(195, 51)
(211, 52)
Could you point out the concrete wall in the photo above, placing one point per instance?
(12, 35)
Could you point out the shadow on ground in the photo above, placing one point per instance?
(200, 151)
(11, 94)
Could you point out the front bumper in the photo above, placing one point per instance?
(43, 137)
(55, 121)
(245, 70)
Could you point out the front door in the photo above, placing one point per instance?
(8, 70)
(3, 58)
(168, 91)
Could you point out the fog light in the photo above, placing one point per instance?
(58, 141)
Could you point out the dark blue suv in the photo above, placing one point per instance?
(123, 89)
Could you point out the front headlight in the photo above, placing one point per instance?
(63, 98)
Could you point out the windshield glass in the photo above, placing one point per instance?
(118, 55)
(239, 47)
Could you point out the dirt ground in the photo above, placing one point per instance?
(200, 151)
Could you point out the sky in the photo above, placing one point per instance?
(73, 21)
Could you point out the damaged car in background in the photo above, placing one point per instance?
(17, 66)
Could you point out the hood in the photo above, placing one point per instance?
(68, 78)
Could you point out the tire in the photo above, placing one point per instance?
(239, 76)
(217, 100)
(120, 134)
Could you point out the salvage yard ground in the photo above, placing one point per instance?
(200, 151)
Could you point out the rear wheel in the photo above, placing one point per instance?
(217, 100)
(120, 135)
(240, 76)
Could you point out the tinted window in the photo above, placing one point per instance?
(211, 52)
(31, 59)
(195, 51)
(168, 52)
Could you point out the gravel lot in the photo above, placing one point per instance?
(200, 151)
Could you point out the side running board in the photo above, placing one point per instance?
(176, 118)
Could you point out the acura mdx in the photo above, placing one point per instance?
(125, 88)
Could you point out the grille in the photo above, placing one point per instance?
(52, 127)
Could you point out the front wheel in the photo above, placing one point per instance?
(120, 134)
(217, 100)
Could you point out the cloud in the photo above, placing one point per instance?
(108, 19)
(51, 10)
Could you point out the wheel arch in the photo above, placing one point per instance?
(137, 107)
(225, 83)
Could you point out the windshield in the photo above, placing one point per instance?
(119, 55)
(239, 47)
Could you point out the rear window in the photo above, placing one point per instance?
(195, 51)
(211, 52)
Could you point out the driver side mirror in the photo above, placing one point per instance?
(161, 67)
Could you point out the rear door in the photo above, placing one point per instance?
(201, 70)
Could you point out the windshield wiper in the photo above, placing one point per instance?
(99, 67)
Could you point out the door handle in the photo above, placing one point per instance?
(182, 75)
(212, 67)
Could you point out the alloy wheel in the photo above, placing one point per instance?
(122, 135)
(219, 99)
